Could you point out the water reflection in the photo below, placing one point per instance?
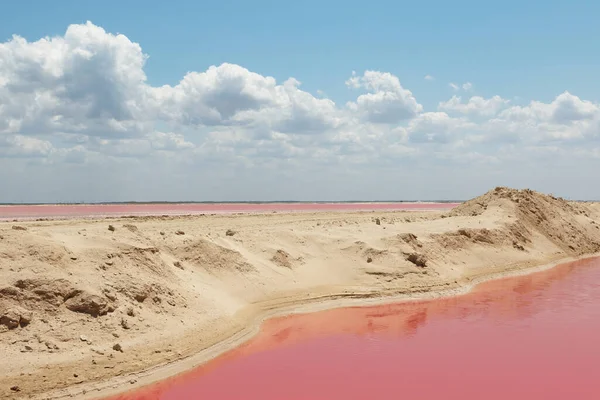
(517, 297)
(530, 311)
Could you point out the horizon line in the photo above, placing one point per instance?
(246, 202)
(227, 202)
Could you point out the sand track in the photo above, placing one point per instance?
(165, 288)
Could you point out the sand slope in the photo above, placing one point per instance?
(84, 301)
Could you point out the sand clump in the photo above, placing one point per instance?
(205, 254)
(167, 287)
(12, 317)
(418, 259)
(283, 259)
(130, 227)
(88, 303)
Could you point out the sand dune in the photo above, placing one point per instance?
(84, 301)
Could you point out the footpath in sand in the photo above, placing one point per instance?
(85, 306)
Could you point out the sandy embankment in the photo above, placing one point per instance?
(81, 304)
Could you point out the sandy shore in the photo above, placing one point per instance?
(119, 384)
(87, 311)
(90, 211)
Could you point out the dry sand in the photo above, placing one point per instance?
(87, 306)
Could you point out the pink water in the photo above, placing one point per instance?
(532, 337)
(95, 210)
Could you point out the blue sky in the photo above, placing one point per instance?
(521, 52)
(533, 50)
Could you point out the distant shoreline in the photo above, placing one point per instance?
(242, 202)
(115, 210)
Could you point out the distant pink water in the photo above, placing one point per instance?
(96, 210)
(531, 337)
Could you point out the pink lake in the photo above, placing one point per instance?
(113, 210)
(530, 337)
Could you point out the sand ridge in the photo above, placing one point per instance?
(84, 301)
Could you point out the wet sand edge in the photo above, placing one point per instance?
(283, 306)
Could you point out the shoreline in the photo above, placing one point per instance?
(158, 296)
(57, 212)
(187, 214)
(281, 307)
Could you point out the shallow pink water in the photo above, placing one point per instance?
(94, 210)
(532, 337)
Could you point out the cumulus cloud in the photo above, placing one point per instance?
(438, 127)
(214, 97)
(476, 105)
(83, 98)
(386, 101)
(566, 118)
(85, 81)
(565, 109)
(230, 95)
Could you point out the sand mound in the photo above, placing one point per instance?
(565, 223)
(212, 257)
(364, 250)
(515, 234)
(50, 294)
(143, 257)
(151, 294)
(526, 199)
(22, 247)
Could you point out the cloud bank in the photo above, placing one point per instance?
(78, 121)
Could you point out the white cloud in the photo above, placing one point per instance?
(83, 98)
(168, 141)
(23, 146)
(386, 101)
(566, 108)
(476, 105)
(429, 78)
(467, 86)
(438, 127)
(216, 96)
(566, 118)
(87, 80)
